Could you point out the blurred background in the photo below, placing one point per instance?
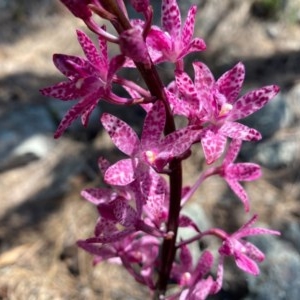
(41, 211)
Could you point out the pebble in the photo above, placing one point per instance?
(25, 127)
(277, 154)
(280, 272)
(291, 233)
(37, 144)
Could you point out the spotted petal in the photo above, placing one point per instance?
(154, 125)
(64, 63)
(103, 252)
(96, 195)
(87, 113)
(246, 264)
(114, 65)
(124, 213)
(66, 90)
(246, 231)
(158, 39)
(122, 172)
(239, 191)
(204, 78)
(110, 237)
(188, 28)
(252, 101)
(170, 17)
(239, 131)
(213, 144)
(179, 141)
(232, 152)
(230, 83)
(103, 53)
(197, 44)
(185, 85)
(121, 133)
(90, 51)
(75, 112)
(244, 171)
(203, 267)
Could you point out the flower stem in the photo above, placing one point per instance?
(132, 85)
(156, 88)
(168, 249)
(199, 181)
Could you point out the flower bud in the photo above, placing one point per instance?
(79, 8)
(140, 5)
(133, 45)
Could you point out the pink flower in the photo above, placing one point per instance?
(151, 194)
(192, 281)
(88, 80)
(137, 254)
(122, 208)
(200, 291)
(174, 41)
(152, 150)
(233, 173)
(214, 106)
(245, 254)
(117, 214)
(119, 233)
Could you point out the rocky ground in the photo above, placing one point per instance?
(41, 212)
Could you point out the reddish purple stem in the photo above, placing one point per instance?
(156, 89)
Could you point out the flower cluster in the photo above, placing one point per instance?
(139, 210)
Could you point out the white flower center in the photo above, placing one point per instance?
(150, 156)
(79, 83)
(225, 109)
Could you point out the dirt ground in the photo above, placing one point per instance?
(41, 211)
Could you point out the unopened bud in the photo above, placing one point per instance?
(132, 45)
(79, 8)
(140, 5)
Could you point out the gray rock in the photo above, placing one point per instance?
(37, 144)
(277, 154)
(291, 233)
(19, 125)
(293, 101)
(272, 30)
(45, 178)
(274, 116)
(280, 272)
